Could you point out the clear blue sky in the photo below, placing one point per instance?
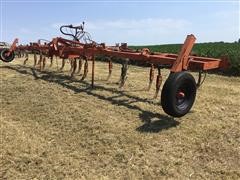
(139, 22)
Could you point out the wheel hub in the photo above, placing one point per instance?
(180, 95)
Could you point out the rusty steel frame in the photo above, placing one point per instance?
(177, 63)
(71, 49)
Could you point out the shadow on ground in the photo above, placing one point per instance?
(153, 122)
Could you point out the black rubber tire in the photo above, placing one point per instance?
(0, 54)
(180, 82)
(5, 58)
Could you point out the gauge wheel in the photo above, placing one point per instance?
(178, 94)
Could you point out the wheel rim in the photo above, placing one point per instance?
(183, 96)
(7, 58)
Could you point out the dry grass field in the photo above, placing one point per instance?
(55, 127)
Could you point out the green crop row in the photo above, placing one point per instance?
(215, 50)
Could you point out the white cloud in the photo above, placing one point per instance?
(148, 23)
(131, 24)
(135, 31)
